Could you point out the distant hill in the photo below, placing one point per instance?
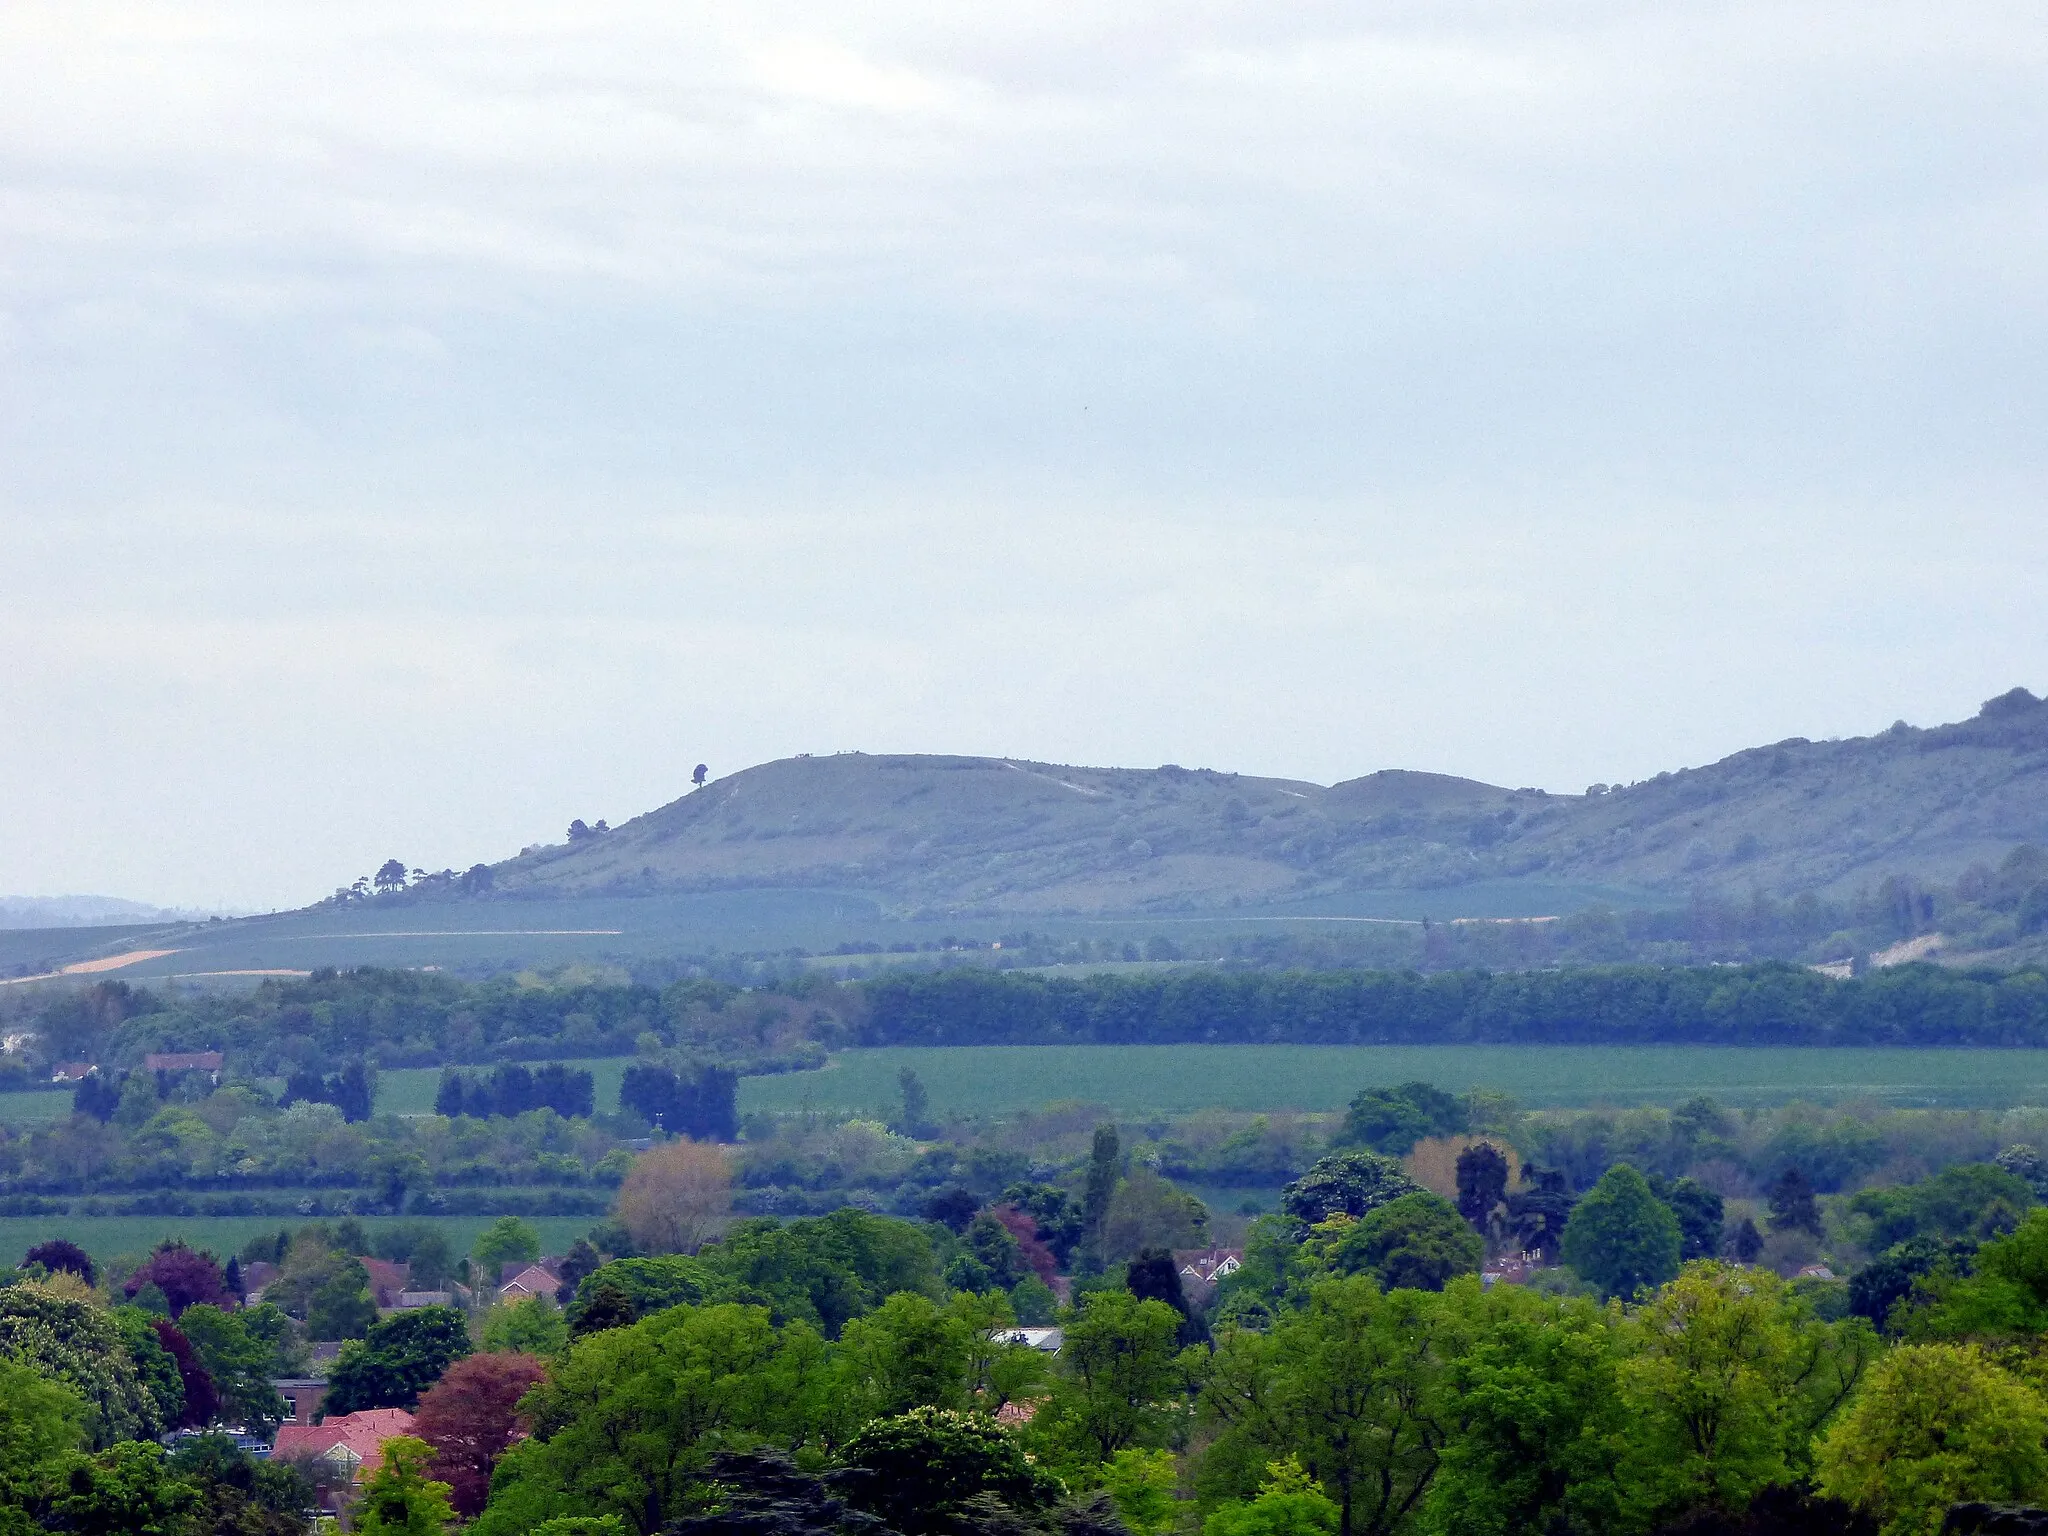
(929, 835)
(25, 912)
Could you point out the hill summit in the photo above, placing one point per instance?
(932, 834)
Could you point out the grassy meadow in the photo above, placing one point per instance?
(104, 1237)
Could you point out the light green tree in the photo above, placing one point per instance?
(1141, 1483)
(1621, 1237)
(73, 1341)
(1289, 1503)
(41, 1424)
(532, 1325)
(1539, 1422)
(1117, 1371)
(1934, 1425)
(400, 1499)
(508, 1240)
(907, 1353)
(1353, 1384)
(1726, 1378)
(627, 1421)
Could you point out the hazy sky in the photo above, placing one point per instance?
(420, 425)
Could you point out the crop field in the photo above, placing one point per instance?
(106, 1236)
(1164, 1078)
(544, 932)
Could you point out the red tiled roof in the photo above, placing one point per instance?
(361, 1434)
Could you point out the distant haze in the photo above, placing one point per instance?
(420, 428)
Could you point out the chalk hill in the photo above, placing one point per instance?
(935, 834)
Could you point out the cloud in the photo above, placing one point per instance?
(1545, 393)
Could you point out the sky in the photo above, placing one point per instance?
(420, 426)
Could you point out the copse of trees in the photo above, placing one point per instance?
(513, 1090)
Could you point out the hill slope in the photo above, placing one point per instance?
(933, 834)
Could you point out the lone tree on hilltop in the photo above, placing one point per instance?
(697, 775)
(391, 875)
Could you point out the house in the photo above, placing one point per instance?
(172, 1062)
(1016, 1415)
(1046, 1340)
(1202, 1269)
(387, 1281)
(1511, 1269)
(342, 1452)
(74, 1071)
(302, 1397)
(519, 1281)
(1815, 1272)
(407, 1300)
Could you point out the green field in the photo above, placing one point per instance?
(106, 1236)
(1139, 1078)
(551, 931)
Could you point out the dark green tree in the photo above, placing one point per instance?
(920, 1471)
(1792, 1205)
(1392, 1120)
(1347, 1184)
(1620, 1236)
(397, 1360)
(1418, 1242)
(1482, 1183)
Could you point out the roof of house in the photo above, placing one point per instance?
(512, 1269)
(410, 1299)
(182, 1061)
(531, 1280)
(73, 1071)
(360, 1436)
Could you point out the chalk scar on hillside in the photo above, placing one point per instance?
(1079, 789)
(93, 967)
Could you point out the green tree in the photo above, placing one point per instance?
(907, 1353)
(626, 1423)
(241, 1362)
(1539, 1422)
(1726, 1377)
(125, 1490)
(1352, 1384)
(916, 1103)
(154, 1367)
(1621, 1237)
(918, 1470)
(1105, 1167)
(1392, 1120)
(1141, 1485)
(1116, 1369)
(400, 1499)
(2006, 1296)
(73, 1341)
(41, 1424)
(397, 1360)
(342, 1307)
(530, 1326)
(1792, 1204)
(508, 1240)
(1418, 1241)
(1289, 1503)
(1345, 1184)
(825, 1269)
(1934, 1425)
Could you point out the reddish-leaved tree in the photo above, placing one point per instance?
(469, 1417)
(1023, 1226)
(202, 1402)
(186, 1278)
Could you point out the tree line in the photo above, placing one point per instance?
(1772, 1003)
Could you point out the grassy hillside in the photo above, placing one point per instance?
(936, 835)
